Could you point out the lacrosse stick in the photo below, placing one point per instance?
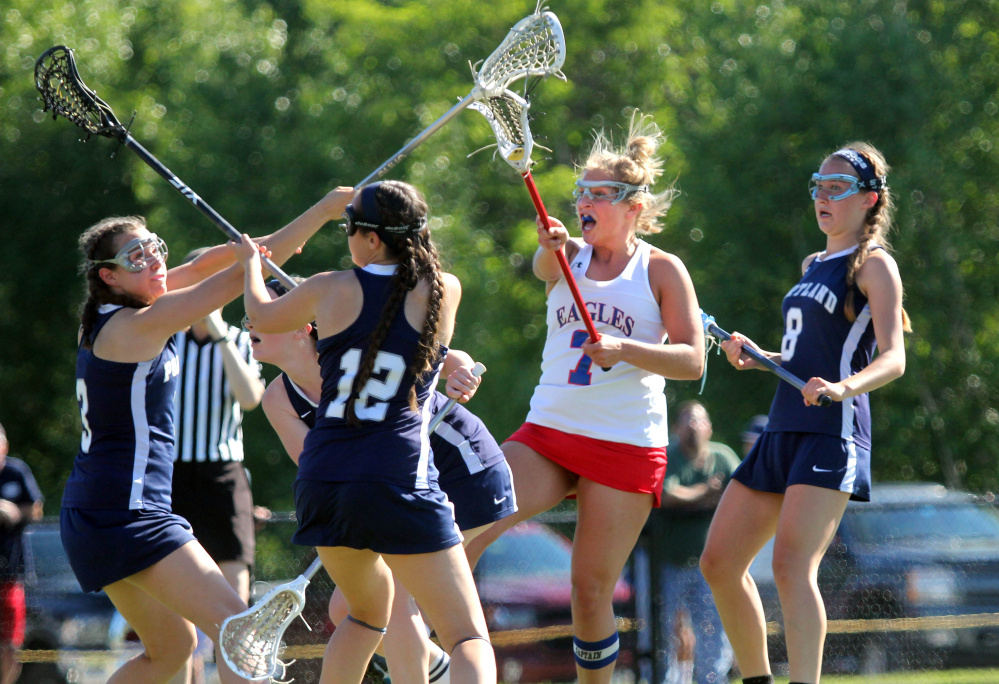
(535, 46)
(507, 115)
(250, 641)
(64, 93)
(711, 328)
(477, 370)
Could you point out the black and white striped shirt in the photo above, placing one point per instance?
(208, 417)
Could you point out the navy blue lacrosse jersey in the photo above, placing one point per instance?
(462, 444)
(303, 406)
(819, 341)
(125, 459)
(391, 444)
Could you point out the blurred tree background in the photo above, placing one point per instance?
(261, 107)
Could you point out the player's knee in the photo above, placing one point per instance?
(713, 566)
(591, 593)
(790, 569)
(172, 651)
(595, 655)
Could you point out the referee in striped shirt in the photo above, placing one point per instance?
(219, 381)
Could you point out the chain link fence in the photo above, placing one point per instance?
(911, 585)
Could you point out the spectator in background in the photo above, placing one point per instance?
(219, 382)
(20, 503)
(696, 474)
(754, 428)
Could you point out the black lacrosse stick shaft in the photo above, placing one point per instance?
(712, 328)
(206, 209)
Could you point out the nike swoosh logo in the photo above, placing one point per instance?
(306, 414)
(498, 501)
(821, 470)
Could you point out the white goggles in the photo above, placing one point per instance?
(139, 253)
(614, 191)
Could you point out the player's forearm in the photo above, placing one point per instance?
(246, 387)
(673, 361)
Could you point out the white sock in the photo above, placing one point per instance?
(440, 671)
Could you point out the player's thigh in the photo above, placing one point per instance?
(538, 482)
(608, 522)
(163, 632)
(237, 574)
(364, 579)
(742, 524)
(442, 584)
(191, 584)
(808, 521)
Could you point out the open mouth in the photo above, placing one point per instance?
(254, 339)
(586, 221)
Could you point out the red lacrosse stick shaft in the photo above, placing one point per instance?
(563, 264)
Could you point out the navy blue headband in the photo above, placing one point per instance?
(369, 204)
(869, 180)
(369, 207)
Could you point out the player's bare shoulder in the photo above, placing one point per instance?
(878, 271)
(666, 270)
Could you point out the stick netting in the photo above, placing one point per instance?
(64, 93)
(251, 641)
(507, 115)
(535, 46)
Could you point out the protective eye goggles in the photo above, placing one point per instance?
(613, 191)
(351, 222)
(838, 186)
(139, 253)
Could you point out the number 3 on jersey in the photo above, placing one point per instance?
(580, 375)
(792, 329)
(81, 397)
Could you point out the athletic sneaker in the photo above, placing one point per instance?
(377, 672)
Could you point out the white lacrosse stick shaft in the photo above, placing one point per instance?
(538, 36)
(477, 370)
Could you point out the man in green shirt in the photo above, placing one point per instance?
(696, 474)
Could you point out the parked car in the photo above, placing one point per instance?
(60, 615)
(915, 551)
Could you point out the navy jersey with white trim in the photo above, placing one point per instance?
(303, 406)
(125, 459)
(819, 341)
(462, 445)
(391, 443)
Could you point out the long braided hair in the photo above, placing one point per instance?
(97, 243)
(635, 163)
(877, 226)
(400, 204)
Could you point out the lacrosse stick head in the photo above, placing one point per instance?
(535, 46)
(65, 94)
(251, 641)
(507, 114)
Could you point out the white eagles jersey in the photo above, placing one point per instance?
(624, 404)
